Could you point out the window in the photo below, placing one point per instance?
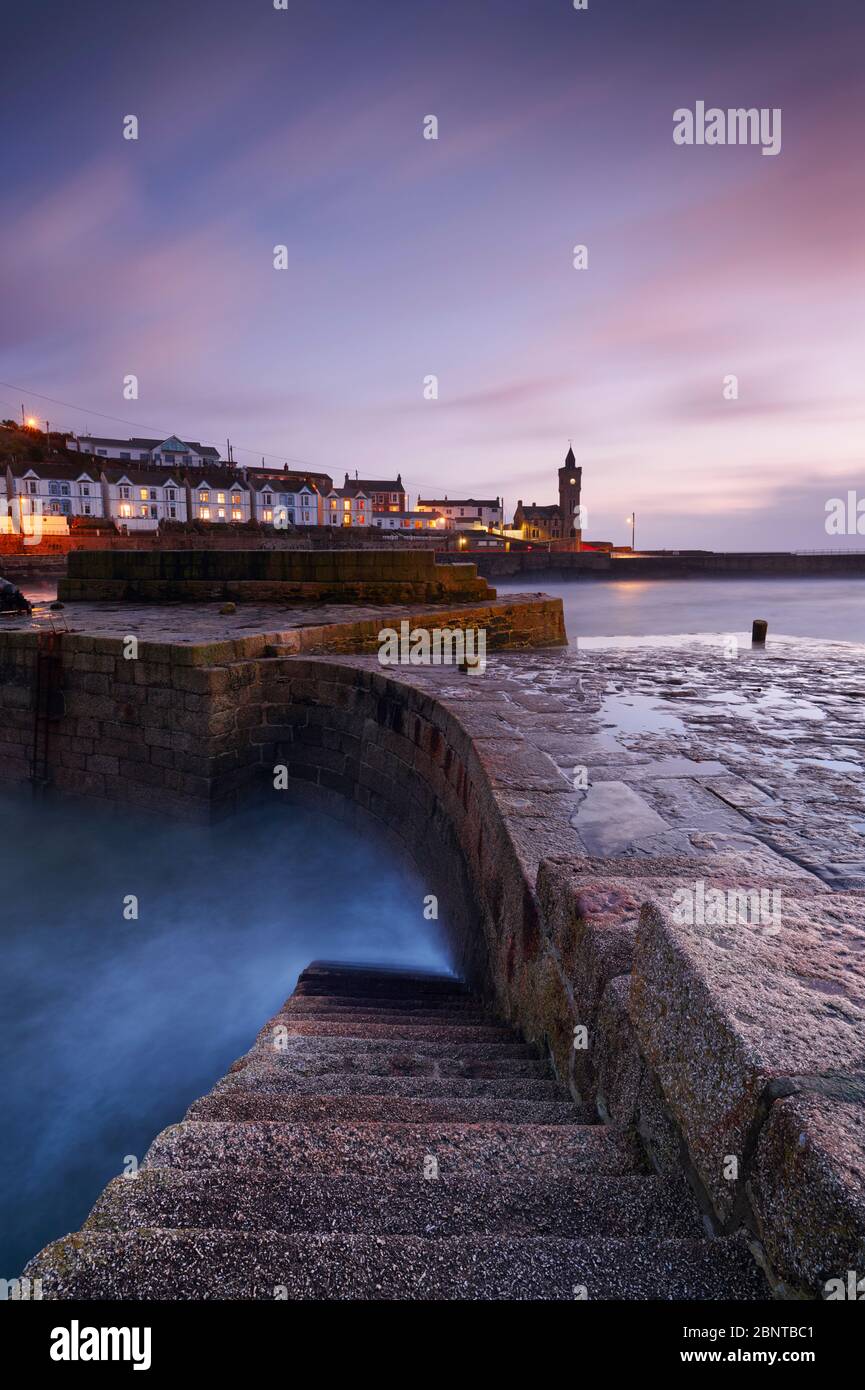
(124, 456)
(86, 509)
(204, 513)
(220, 497)
(31, 486)
(124, 492)
(85, 490)
(236, 514)
(142, 511)
(170, 493)
(266, 498)
(154, 511)
(268, 515)
(172, 511)
(103, 452)
(144, 494)
(204, 496)
(125, 509)
(221, 513)
(153, 494)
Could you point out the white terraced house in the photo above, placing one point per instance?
(466, 513)
(218, 496)
(282, 502)
(139, 498)
(298, 508)
(348, 506)
(54, 489)
(172, 452)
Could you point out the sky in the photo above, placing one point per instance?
(409, 258)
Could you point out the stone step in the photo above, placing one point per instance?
(325, 1005)
(254, 1199)
(371, 1150)
(402, 1061)
(298, 1027)
(261, 1079)
(372, 982)
(242, 1105)
(265, 1265)
(300, 1045)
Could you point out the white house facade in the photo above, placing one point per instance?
(471, 513)
(348, 506)
(172, 452)
(218, 496)
(139, 498)
(409, 521)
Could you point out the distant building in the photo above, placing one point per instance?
(56, 488)
(348, 506)
(470, 513)
(171, 453)
(385, 495)
(554, 522)
(218, 495)
(410, 521)
(139, 498)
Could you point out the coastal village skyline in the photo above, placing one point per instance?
(285, 253)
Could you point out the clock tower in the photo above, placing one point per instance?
(570, 482)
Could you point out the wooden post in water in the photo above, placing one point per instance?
(758, 631)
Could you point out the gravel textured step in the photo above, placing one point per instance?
(451, 1034)
(258, 1199)
(330, 1004)
(240, 1105)
(334, 1055)
(262, 1079)
(339, 979)
(371, 1149)
(265, 1265)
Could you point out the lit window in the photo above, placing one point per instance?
(142, 511)
(268, 515)
(347, 504)
(144, 494)
(204, 497)
(220, 497)
(236, 515)
(125, 509)
(204, 513)
(221, 513)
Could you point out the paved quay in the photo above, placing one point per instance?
(758, 758)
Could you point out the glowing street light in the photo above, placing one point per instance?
(632, 522)
(32, 422)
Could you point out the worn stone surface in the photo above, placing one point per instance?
(808, 1189)
(729, 1020)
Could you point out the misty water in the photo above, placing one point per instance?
(827, 608)
(112, 1026)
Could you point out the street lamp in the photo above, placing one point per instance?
(632, 522)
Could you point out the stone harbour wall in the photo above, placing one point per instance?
(268, 576)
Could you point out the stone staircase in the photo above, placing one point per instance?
(387, 1138)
